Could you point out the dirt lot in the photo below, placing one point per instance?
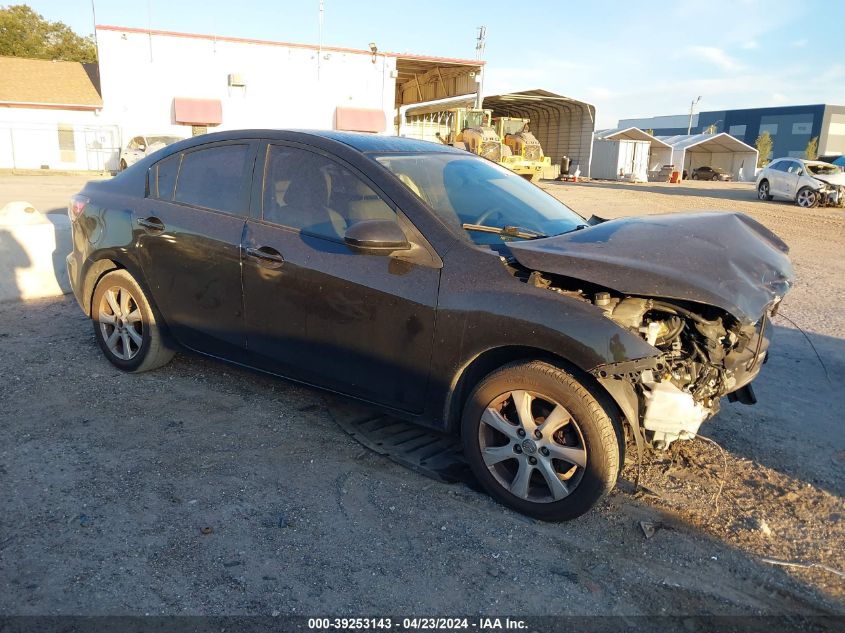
(111, 478)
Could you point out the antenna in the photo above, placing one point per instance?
(320, 42)
(480, 43)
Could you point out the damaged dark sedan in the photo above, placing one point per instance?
(439, 287)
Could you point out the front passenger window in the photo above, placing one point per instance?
(307, 191)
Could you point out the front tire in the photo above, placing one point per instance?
(763, 190)
(122, 166)
(539, 442)
(125, 326)
(694, 176)
(807, 198)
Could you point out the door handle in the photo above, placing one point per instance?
(151, 223)
(267, 256)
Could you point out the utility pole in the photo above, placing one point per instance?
(692, 105)
(320, 47)
(480, 43)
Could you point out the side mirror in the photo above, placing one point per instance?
(376, 237)
(143, 148)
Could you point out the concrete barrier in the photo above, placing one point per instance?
(33, 247)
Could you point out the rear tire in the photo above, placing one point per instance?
(539, 442)
(125, 325)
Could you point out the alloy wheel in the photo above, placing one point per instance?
(120, 322)
(806, 198)
(763, 191)
(532, 446)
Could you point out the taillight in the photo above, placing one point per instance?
(76, 206)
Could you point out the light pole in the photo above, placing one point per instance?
(692, 105)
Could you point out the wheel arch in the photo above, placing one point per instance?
(492, 359)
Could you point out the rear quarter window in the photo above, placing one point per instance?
(163, 177)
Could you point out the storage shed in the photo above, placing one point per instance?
(622, 159)
(716, 150)
(660, 152)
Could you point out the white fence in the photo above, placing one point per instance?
(59, 146)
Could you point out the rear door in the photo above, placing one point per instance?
(790, 176)
(190, 228)
(317, 311)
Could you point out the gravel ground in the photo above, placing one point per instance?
(206, 489)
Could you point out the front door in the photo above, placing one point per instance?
(190, 229)
(316, 310)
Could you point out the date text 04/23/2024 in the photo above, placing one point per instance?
(416, 624)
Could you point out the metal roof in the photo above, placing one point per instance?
(711, 142)
(632, 134)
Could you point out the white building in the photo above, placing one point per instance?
(156, 82)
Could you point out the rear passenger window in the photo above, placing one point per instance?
(163, 177)
(215, 178)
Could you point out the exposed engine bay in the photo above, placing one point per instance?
(704, 354)
(830, 194)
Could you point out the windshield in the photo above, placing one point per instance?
(824, 169)
(470, 190)
(513, 126)
(475, 119)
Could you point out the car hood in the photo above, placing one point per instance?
(727, 260)
(831, 179)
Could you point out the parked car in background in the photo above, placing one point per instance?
(807, 182)
(710, 173)
(141, 146)
(438, 286)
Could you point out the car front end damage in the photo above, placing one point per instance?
(829, 194)
(702, 356)
(700, 289)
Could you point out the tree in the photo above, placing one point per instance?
(764, 148)
(25, 33)
(812, 150)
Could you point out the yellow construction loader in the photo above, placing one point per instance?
(474, 130)
(526, 152)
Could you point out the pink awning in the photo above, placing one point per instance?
(197, 111)
(359, 120)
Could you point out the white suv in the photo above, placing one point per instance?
(807, 182)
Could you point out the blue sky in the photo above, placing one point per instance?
(628, 58)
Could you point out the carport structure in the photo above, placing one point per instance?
(660, 152)
(564, 126)
(716, 150)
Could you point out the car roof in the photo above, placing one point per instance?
(360, 141)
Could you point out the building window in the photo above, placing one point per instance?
(197, 130)
(737, 130)
(67, 144)
(771, 128)
(802, 128)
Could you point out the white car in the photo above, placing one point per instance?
(807, 182)
(141, 146)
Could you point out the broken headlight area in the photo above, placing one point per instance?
(829, 195)
(704, 354)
